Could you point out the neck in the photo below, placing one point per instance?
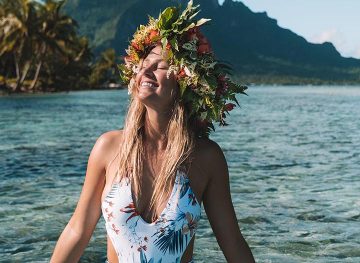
(156, 124)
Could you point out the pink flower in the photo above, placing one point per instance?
(115, 229)
(190, 226)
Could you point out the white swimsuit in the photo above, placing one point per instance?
(162, 241)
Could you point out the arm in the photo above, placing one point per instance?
(78, 231)
(219, 208)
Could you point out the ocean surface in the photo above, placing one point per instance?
(293, 155)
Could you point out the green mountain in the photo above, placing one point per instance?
(259, 50)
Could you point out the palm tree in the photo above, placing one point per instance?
(57, 34)
(17, 30)
(35, 33)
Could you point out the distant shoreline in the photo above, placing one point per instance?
(7, 93)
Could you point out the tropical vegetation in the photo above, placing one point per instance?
(41, 50)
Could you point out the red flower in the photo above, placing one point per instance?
(222, 85)
(202, 38)
(203, 44)
(230, 106)
(142, 247)
(130, 209)
(192, 33)
(181, 73)
(204, 48)
(168, 46)
(135, 45)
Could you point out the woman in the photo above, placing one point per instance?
(150, 179)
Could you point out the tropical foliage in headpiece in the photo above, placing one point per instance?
(205, 85)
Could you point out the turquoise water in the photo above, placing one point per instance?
(293, 156)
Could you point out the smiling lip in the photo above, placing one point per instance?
(155, 85)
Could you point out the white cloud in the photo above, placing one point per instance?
(336, 37)
(332, 35)
(356, 52)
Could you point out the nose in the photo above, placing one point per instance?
(149, 67)
(147, 70)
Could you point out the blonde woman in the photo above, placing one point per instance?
(150, 180)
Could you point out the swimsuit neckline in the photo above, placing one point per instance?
(178, 180)
(173, 191)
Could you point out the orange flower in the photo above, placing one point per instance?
(153, 34)
(127, 59)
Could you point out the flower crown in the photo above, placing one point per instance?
(205, 87)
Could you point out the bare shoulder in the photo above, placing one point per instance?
(209, 157)
(106, 145)
(208, 152)
(110, 136)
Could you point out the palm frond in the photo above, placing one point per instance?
(171, 240)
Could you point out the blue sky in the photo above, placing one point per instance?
(336, 21)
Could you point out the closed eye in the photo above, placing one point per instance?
(159, 66)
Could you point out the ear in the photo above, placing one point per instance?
(132, 88)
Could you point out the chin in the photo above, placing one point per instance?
(148, 99)
(146, 95)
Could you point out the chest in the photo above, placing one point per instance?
(168, 236)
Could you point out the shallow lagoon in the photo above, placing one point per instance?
(293, 156)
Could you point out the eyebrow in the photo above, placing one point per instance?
(157, 60)
(152, 52)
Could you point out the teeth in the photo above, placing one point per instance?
(148, 84)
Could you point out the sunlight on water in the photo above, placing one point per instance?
(293, 156)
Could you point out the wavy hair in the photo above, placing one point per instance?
(180, 138)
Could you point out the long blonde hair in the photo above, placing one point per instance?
(180, 143)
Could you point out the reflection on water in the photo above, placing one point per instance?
(293, 156)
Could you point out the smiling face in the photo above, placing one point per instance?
(154, 89)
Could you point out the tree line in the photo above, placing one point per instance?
(41, 50)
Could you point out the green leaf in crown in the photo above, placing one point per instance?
(205, 85)
(167, 18)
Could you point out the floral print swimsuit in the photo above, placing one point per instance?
(162, 241)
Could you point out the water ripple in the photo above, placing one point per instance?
(293, 156)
